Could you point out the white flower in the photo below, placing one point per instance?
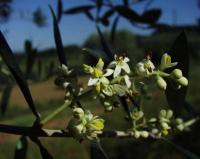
(120, 64)
(144, 68)
(99, 75)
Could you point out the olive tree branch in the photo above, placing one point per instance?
(40, 132)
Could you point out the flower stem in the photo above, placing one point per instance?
(56, 112)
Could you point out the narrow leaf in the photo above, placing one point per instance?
(104, 44)
(125, 105)
(89, 15)
(58, 39)
(5, 98)
(125, 2)
(31, 55)
(113, 30)
(44, 152)
(59, 10)
(151, 16)
(127, 13)
(179, 53)
(95, 53)
(99, 4)
(187, 153)
(9, 59)
(79, 9)
(106, 16)
(21, 148)
(97, 151)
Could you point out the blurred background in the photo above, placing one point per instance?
(130, 30)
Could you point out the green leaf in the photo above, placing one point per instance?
(21, 148)
(104, 44)
(125, 2)
(179, 53)
(127, 13)
(95, 53)
(5, 98)
(97, 151)
(44, 152)
(9, 59)
(58, 39)
(151, 16)
(89, 15)
(31, 55)
(187, 153)
(59, 10)
(105, 18)
(80, 9)
(99, 4)
(113, 30)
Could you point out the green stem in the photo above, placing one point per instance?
(55, 112)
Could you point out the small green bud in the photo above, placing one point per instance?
(152, 120)
(161, 83)
(155, 131)
(137, 115)
(183, 81)
(78, 113)
(163, 113)
(165, 132)
(108, 106)
(144, 134)
(180, 127)
(169, 114)
(176, 74)
(179, 121)
(137, 134)
(165, 125)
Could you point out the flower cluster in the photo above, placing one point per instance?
(85, 125)
(116, 80)
(146, 68)
(157, 127)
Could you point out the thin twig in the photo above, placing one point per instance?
(39, 132)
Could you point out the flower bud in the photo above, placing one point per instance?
(165, 132)
(183, 81)
(144, 134)
(169, 114)
(165, 125)
(180, 127)
(137, 134)
(108, 106)
(176, 74)
(78, 113)
(163, 113)
(161, 83)
(179, 121)
(155, 131)
(137, 115)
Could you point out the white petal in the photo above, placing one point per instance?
(104, 80)
(126, 59)
(127, 81)
(112, 64)
(126, 68)
(92, 81)
(108, 72)
(117, 71)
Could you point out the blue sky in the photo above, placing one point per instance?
(75, 29)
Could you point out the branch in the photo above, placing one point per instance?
(37, 132)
